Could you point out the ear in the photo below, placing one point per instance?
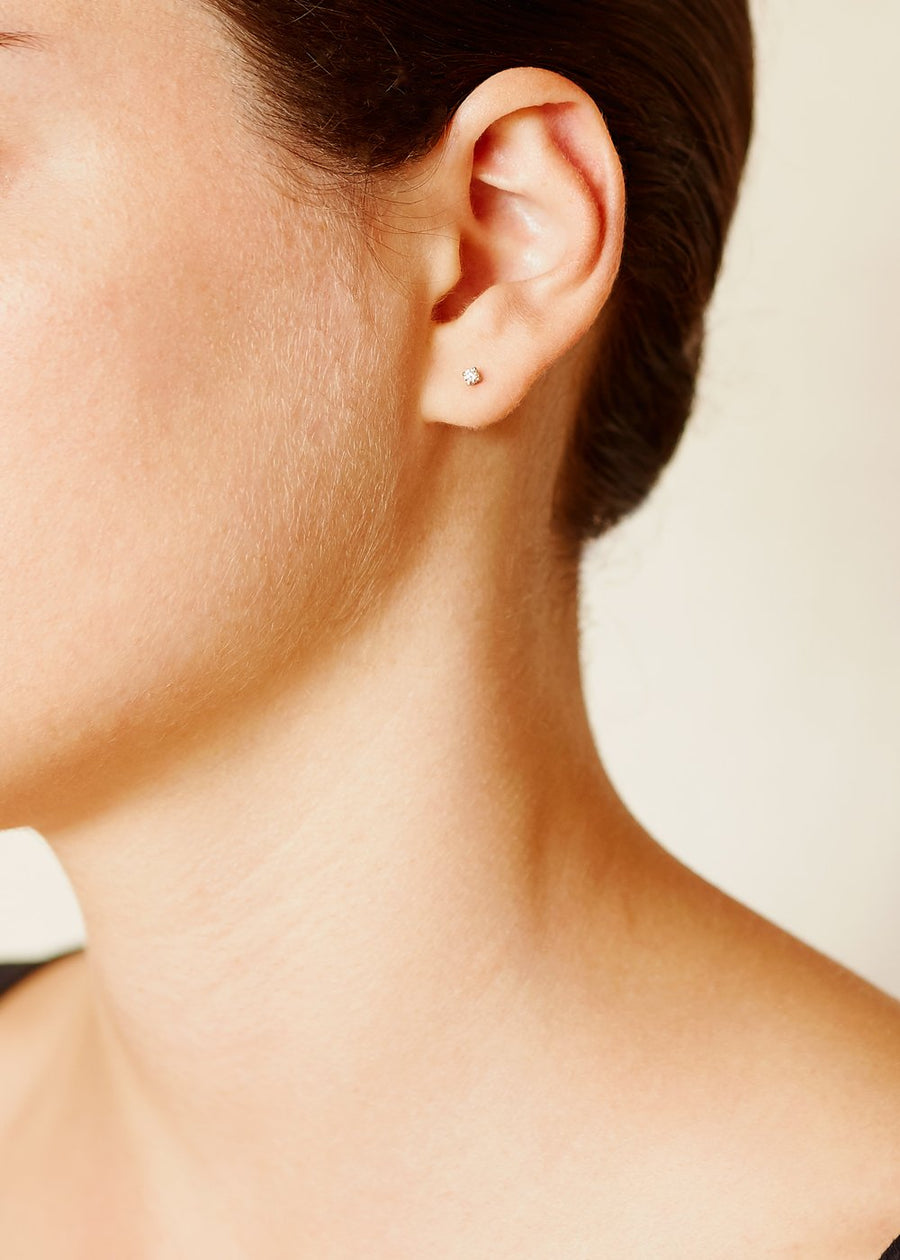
(529, 202)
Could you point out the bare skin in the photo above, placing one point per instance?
(378, 962)
(733, 1093)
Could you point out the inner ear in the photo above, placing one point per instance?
(512, 232)
(474, 266)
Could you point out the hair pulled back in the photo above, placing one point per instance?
(361, 87)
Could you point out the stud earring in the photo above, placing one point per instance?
(471, 376)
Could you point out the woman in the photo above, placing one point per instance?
(330, 335)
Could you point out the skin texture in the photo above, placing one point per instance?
(379, 962)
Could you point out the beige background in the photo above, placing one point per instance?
(741, 632)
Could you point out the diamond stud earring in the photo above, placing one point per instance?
(471, 376)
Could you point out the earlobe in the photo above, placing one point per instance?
(536, 207)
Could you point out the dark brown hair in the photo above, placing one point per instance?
(360, 87)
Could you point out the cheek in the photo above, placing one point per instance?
(170, 439)
(108, 436)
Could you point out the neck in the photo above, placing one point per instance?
(347, 906)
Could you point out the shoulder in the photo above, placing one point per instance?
(804, 1063)
(36, 999)
(21, 981)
